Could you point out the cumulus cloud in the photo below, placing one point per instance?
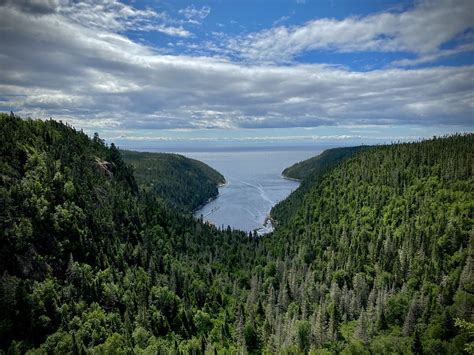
(93, 76)
(422, 31)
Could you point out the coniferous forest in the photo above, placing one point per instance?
(373, 256)
(183, 183)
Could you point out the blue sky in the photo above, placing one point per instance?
(236, 18)
(265, 72)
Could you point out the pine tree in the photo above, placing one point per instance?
(411, 317)
(319, 326)
(361, 332)
(239, 330)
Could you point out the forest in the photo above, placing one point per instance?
(308, 171)
(375, 256)
(183, 183)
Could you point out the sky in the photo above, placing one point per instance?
(241, 72)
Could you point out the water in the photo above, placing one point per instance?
(254, 184)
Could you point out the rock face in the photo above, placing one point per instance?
(104, 167)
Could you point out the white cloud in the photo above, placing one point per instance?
(280, 20)
(421, 30)
(195, 15)
(91, 75)
(169, 30)
(105, 15)
(427, 58)
(108, 15)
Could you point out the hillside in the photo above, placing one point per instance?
(321, 162)
(181, 182)
(378, 257)
(89, 263)
(380, 252)
(309, 171)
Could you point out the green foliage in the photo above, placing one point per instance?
(203, 322)
(183, 183)
(468, 328)
(377, 256)
(388, 239)
(320, 163)
(309, 171)
(303, 333)
(355, 348)
(251, 337)
(89, 262)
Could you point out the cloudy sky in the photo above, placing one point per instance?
(247, 70)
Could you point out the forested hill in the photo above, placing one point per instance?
(309, 171)
(182, 182)
(377, 258)
(91, 264)
(320, 163)
(379, 255)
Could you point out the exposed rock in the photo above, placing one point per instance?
(104, 167)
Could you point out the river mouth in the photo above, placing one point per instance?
(254, 185)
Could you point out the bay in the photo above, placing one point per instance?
(254, 184)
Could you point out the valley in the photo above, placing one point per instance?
(371, 254)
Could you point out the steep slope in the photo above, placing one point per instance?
(379, 255)
(182, 182)
(377, 258)
(89, 264)
(309, 171)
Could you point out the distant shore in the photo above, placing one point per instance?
(290, 178)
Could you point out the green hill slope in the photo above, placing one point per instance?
(377, 258)
(309, 171)
(182, 182)
(89, 263)
(321, 162)
(380, 251)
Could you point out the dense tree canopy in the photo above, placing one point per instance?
(183, 183)
(320, 163)
(380, 250)
(309, 172)
(377, 258)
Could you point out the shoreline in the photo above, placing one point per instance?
(291, 179)
(210, 199)
(268, 225)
